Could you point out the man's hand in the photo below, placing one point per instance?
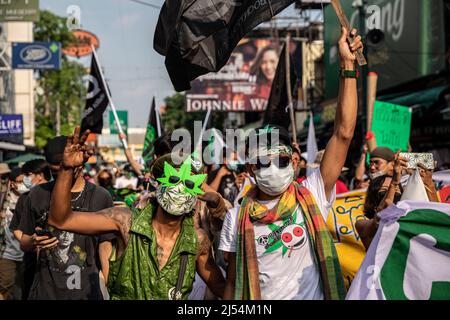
(212, 199)
(76, 152)
(400, 164)
(240, 178)
(426, 175)
(43, 242)
(346, 50)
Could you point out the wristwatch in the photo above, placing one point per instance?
(348, 73)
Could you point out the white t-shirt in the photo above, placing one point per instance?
(124, 182)
(286, 262)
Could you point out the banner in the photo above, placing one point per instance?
(444, 194)
(346, 210)
(11, 128)
(123, 119)
(243, 84)
(409, 257)
(96, 100)
(392, 125)
(36, 55)
(19, 10)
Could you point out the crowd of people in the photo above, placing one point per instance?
(179, 229)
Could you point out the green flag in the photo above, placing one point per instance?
(150, 135)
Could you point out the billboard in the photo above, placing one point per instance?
(413, 45)
(36, 55)
(11, 128)
(19, 10)
(82, 46)
(243, 84)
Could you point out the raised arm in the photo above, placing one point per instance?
(134, 164)
(345, 120)
(61, 215)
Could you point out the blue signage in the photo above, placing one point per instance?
(11, 128)
(36, 55)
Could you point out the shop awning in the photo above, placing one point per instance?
(11, 146)
(25, 158)
(425, 98)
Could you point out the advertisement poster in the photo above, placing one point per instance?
(243, 84)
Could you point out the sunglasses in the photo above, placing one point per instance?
(265, 162)
(187, 183)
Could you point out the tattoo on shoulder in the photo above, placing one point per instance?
(122, 215)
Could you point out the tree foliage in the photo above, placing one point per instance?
(175, 115)
(64, 86)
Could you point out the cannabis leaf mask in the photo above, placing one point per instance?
(173, 177)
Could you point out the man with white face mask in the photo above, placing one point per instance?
(276, 242)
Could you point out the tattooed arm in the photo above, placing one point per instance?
(207, 268)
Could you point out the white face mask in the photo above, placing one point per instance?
(21, 188)
(273, 180)
(376, 174)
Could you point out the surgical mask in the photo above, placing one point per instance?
(21, 188)
(174, 200)
(273, 180)
(376, 174)
(27, 181)
(233, 166)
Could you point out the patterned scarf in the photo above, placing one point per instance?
(247, 272)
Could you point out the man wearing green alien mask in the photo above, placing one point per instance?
(158, 249)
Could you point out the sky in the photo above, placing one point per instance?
(134, 71)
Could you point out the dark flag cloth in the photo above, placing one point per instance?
(198, 36)
(150, 135)
(277, 111)
(96, 101)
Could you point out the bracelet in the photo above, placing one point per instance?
(348, 73)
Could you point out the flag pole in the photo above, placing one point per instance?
(205, 123)
(108, 95)
(158, 124)
(288, 87)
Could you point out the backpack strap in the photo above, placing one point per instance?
(181, 273)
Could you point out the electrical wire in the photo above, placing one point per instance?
(146, 4)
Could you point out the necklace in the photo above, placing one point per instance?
(78, 197)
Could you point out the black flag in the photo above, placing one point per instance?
(277, 111)
(96, 100)
(198, 36)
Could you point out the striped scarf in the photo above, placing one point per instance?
(247, 272)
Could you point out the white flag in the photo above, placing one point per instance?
(311, 146)
(409, 257)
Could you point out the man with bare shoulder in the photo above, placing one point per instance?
(158, 249)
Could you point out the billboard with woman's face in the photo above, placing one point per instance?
(243, 84)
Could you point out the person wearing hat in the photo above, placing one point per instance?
(276, 241)
(381, 162)
(158, 249)
(63, 256)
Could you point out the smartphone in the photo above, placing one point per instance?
(414, 159)
(44, 232)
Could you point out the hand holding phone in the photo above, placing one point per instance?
(414, 159)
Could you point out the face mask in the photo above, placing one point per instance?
(105, 182)
(21, 188)
(376, 174)
(233, 166)
(174, 200)
(273, 180)
(27, 182)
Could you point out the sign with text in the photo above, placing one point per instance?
(11, 128)
(123, 118)
(19, 10)
(392, 125)
(243, 84)
(36, 55)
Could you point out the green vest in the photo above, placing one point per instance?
(136, 275)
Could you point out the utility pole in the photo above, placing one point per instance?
(58, 118)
